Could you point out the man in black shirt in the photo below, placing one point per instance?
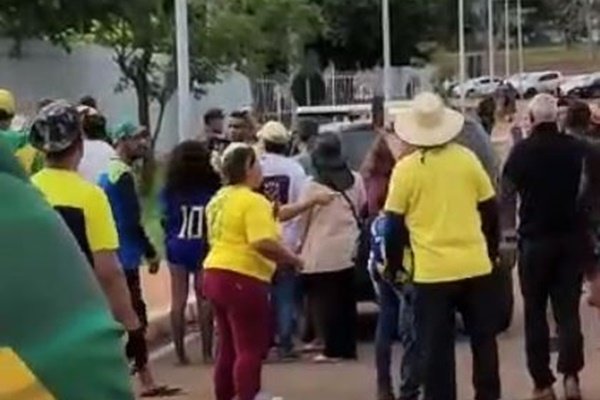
(546, 170)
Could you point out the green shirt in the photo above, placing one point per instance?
(58, 339)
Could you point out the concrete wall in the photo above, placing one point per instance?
(46, 71)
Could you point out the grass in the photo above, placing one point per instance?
(572, 60)
(151, 213)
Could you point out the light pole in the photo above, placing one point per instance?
(387, 50)
(183, 69)
(506, 38)
(462, 70)
(520, 43)
(491, 50)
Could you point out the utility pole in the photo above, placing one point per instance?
(491, 45)
(462, 53)
(507, 39)
(520, 43)
(183, 69)
(387, 49)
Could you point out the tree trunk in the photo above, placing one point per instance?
(148, 166)
(159, 121)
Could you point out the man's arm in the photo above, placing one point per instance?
(112, 280)
(126, 186)
(396, 239)
(490, 226)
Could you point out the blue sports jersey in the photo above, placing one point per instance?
(184, 226)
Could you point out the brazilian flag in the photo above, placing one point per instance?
(58, 340)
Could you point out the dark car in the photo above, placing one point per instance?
(590, 90)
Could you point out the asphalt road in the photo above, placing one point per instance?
(356, 380)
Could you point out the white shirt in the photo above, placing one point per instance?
(96, 156)
(284, 181)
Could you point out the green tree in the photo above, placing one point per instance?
(253, 37)
(353, 38)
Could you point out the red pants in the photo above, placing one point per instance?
(241, 306)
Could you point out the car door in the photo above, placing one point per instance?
(548, 82)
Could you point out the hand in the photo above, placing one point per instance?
(323, 198)
(298, 264)
(154, 266)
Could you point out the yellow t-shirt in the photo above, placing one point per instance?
(238, 217)
(438, 191)
(83, 206)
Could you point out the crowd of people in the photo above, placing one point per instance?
(268, 225)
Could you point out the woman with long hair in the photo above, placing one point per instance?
(245, 248)
(190, 184)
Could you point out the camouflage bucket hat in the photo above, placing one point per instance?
(56, 127)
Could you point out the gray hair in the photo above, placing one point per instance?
(544, 108)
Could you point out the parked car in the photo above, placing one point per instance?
(477, 87)
(531, 83)
(357, 138)
(588, 88)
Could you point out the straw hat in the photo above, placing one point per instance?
(428, 123)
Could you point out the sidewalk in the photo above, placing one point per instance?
(157, 294)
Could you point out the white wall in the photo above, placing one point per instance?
(46, 71)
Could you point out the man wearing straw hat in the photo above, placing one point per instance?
(442, 204)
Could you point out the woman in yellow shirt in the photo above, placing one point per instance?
(245, 247)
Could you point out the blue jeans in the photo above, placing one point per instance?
(284, 289)
(396, 319)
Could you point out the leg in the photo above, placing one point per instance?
(218, 292)
(481, 325)
(250, 325)
(536, 261)
(328, 309)
(205, 319)
(135, 291)
(284, 294)
(387, 328)
(435, 320)
(565, 295)
(179, 293)
(345, 319)
(410, 380)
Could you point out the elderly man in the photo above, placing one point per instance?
(452, 250)
(545, 170)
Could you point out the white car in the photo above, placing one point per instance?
(580, 85)
(531, 83)
(477, 87)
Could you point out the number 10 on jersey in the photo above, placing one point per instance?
(192, 222)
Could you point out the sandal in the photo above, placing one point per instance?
(162, 391)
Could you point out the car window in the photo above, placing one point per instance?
(484, 81)
(548, 77)
(355, 145)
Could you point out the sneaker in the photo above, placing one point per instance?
(544, 394)
(572, 389)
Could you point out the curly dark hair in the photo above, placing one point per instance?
(189, 168)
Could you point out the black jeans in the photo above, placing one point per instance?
(139, 306)
(435, 312)
(332, 301)
(551, 268)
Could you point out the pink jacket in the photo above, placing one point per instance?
(329, 234)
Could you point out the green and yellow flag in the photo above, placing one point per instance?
(58, 340)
